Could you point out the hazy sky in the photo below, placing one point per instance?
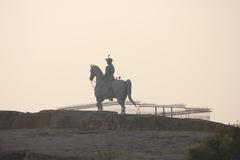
(174, 51)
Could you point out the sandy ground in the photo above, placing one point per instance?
(93, 144)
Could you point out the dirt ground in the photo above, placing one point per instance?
(95, 144)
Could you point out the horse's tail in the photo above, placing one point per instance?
(129, 92)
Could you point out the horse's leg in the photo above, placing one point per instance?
(122, 104)
(123, 108)
(99, 104)
(101, 107)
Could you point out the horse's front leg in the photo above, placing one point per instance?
(99, 104)
(100, 107)
(123, 110)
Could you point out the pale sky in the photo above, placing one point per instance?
(174, 51)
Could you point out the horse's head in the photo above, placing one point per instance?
(95, 71)
(92, 72)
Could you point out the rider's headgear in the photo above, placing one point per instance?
(109, 59)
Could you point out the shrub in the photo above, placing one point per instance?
(223, 146)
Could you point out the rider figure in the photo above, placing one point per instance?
(109, 71)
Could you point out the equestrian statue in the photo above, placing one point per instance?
(108, 87)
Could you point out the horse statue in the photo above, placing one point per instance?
(120, 89)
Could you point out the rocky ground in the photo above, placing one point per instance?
(86, 135)
(44, 144)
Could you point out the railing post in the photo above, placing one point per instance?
(171, 112)
(155, 110)
(163, 111)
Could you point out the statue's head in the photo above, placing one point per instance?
(92, 72)
(109, 60)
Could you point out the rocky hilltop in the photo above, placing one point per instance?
(88, 135)
(93, 120)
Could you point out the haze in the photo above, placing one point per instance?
(174, 51)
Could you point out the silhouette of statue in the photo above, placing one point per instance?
(107, 87)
